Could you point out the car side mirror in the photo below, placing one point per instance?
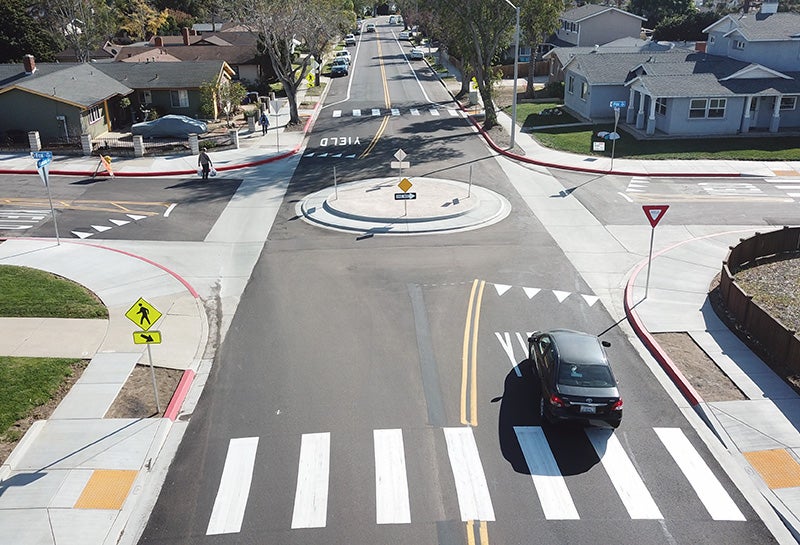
(534, 337)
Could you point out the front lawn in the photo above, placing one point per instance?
(541, 114)
(31, 293)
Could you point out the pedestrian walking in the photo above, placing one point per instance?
(204, 162)
(264, 121)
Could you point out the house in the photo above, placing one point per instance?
(60, 101)
(748, 79)
(167, 87)
(593, 24)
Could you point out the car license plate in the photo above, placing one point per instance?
(587, 409)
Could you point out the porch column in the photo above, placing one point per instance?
(651, 118)
(629, 112)
(34, 141)
(746, 120)
(775, 122)
(640, 113)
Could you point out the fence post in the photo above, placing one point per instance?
(194, 144)
(86, 144)
(234, 134)
(138, 145)
(33, 141)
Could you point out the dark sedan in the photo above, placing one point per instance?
(576, 378)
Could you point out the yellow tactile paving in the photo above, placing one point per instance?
(777, 467)
(106, 489)
(786, 173)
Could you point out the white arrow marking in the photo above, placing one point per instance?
(353, 156)
(508, 348)
(134, 217)
(322, 155)
(561, 295)
(119, 222)
(337, 155)
(309, 154)
(81, 234)
(501, 288)
(530, 292)
(591, 299)
(101, 228)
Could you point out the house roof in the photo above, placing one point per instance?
(622, 45)
(588, 11)
(613, 68)
(165, 75)
(82, 85)
(760, 27)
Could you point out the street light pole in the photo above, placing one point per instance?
(516, 72)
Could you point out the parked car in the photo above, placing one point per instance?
(416, 54)
(177, 126)
(575, 376)
(343, 54)
(404, 35)
(340, 67)
(370, 27)
(392, 19)
(350, 39)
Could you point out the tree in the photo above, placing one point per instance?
(139, 19)
(539, 19)
(83, 25)
(656, 10)
(324, 26)
(21, 34)
(230, 94)
(281, 26)
(687, 27)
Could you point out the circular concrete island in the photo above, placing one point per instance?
(425, 206)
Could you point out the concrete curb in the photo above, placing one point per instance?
(185, 384)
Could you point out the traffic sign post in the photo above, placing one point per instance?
(144, 315)
(654, 213)
(43, 160)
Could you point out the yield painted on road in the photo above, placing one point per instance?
(311, 496)
(554, 496)
(716, 501)
(234, 487)
(473, 493)
(391, 484)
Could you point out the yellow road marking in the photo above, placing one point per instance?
(469, 356)
(376, 137)
(470, 532)
(483, 532)
(387, 100)
(106, 489)
(777, 467)
(99, 206)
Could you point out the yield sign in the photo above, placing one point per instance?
(654, 213)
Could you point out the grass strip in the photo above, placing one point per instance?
(31, 293)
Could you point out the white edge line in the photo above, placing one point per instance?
(170, 209)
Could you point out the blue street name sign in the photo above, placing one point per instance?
(405, 196)
(42, 154)
(43, 161)
(618, 104)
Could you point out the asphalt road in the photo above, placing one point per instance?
(374, 390)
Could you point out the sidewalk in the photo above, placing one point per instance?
(78, 478)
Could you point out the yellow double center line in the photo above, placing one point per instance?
(387, 101)
(483, 532)
(469, 356)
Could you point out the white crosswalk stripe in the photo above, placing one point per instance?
(434, 111)
(311, 496)
(710, 491)
(637, 185)
(452, 112)
(554, 496)
(623, 475)
(337, 113)
(234, 487)
(391, 483)
(395, 111)
(356, 113)
(376, 111)
(473, 493)
(414, 111)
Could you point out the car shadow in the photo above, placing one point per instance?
(519, 407)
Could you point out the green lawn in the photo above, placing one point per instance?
(31, 293)
(578, 140)
(26, 383)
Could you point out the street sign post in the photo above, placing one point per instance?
(654, 213)
(144, 315)
(43, 160)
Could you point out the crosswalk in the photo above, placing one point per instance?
(474, 496)
(21, 219)
(395, 112)
(723, 188)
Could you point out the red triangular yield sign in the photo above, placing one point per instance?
(654, 213)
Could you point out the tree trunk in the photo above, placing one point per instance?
(490, 115)
(529, 89)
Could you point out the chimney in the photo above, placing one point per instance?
(30, 64)
(158, 41)
(769, 6)
(185, 34)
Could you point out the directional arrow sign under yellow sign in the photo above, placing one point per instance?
(147, 337)
(404, 184)
(143, 314)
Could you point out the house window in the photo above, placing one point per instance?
(697, 108)
(145, 97)
(571, 87)
(711, 39)
(95, 114)
(584, 90)
(712, 108)
(738, 44)
(661, 106)
(716, 108)
(179, 99)
(788, 103)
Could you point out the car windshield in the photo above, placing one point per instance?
(583, 375)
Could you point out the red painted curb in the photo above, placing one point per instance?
(178, 397)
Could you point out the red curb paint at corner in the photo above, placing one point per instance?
(179, 396)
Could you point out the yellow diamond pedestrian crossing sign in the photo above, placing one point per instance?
(143, 314)
(147, 337)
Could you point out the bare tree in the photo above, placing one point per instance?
(83, 25)
(538, 18)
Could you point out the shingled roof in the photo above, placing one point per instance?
(165, 75)
(592, 10)
(761, 27)
(82, 85)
